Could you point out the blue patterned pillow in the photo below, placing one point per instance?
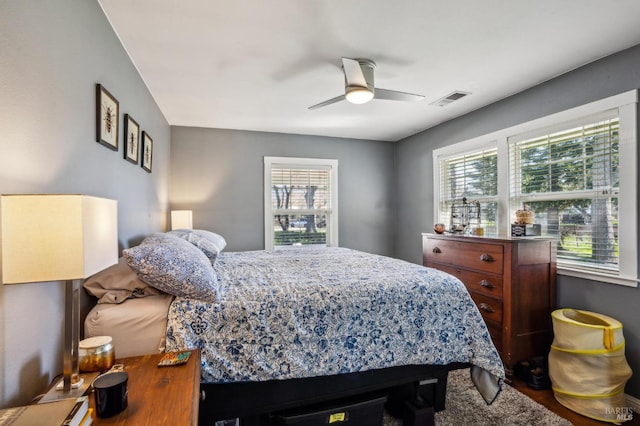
(210, 243)
(173, 265)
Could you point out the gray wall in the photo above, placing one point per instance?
(219, 175)
(609, 76)
(53, 54)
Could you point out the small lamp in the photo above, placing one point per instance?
(67, 238)
(181, 219)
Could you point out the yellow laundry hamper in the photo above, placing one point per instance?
(587, 365)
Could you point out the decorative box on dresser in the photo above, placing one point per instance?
(511, 280)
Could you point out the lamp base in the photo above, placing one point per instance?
(74, 385)
(56, 392)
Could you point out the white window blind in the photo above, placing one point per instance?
(300, 197)
(570, 178)
(472, 176)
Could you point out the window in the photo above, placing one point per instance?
(576, 170)
(301, 197)
(470, 177)
(570, 178)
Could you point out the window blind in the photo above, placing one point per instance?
(307, 188)
(301, 204)
(474, 177)
(570, 179)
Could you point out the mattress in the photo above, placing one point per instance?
(137, 326)
(312, 312)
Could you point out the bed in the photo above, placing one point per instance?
(293, 327)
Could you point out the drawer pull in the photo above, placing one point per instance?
(486, 308)
(436, 249)
(486, 283)
(486, 257)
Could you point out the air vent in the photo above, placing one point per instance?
(449, 98)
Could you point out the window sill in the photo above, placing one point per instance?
(600, 277)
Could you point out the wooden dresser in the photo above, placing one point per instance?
(511, 280)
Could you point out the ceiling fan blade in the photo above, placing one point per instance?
(392, 95)
(353, 73)
(329, 102)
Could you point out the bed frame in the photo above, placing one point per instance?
(254, 402)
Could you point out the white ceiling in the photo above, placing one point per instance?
(259, 64)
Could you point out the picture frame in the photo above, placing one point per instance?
(131, 139)
(147, 152)
(107, 118)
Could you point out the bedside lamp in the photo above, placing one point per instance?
(181, 219)
(67, 238)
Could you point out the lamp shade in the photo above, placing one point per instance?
(56, 237)
(181, 219)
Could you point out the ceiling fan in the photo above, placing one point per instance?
(359, 87)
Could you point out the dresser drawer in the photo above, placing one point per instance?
(477, 256)
(479, 282)
(491, 309)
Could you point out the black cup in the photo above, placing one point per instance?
(110, 392)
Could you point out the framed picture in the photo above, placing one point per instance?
(107, 113)
(131, 139)
(147, 151)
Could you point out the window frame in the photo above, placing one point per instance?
(331, 213)
(626, 104)
(521, 143)
(444, 154)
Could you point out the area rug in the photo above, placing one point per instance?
(465, 406)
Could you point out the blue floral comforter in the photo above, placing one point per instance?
(310, 312)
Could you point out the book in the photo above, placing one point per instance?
(88, 418)
(63, 412)
(74, 418)
(174, 358)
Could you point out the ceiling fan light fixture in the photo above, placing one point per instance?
(358, 94)
(359, 87)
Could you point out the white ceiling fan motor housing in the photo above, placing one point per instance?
(362, 90)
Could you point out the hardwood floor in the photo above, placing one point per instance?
(546, 398)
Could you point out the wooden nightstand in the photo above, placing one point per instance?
(158, 395)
